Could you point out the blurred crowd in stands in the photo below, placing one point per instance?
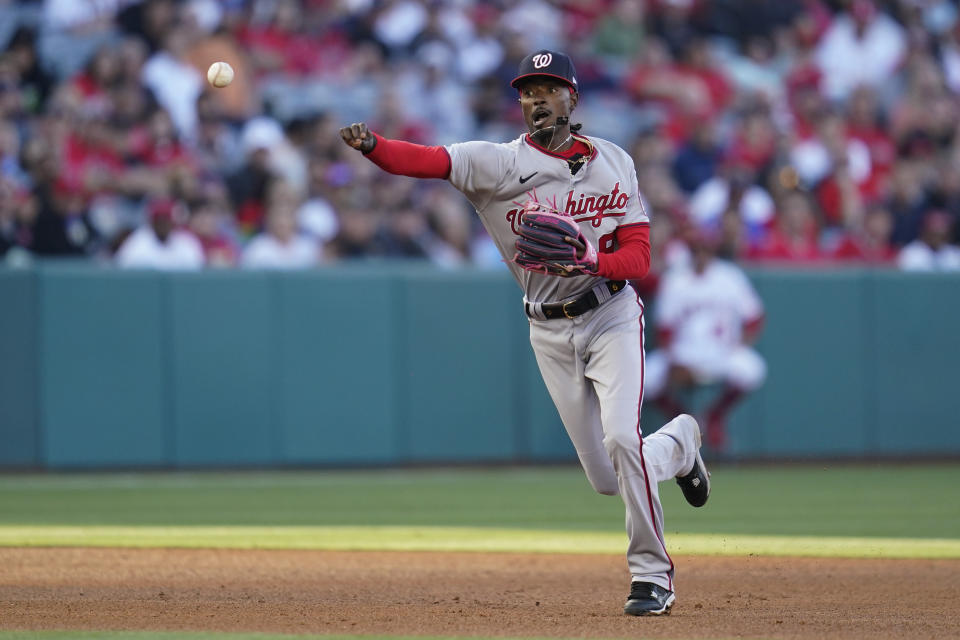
(810, 132)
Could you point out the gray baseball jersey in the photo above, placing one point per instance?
(601, 196)
(592, 364)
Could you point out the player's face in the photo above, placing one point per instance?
(542, 99)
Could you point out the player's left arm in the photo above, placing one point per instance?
(631, 259)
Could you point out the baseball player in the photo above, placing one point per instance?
(565, 212)
(707, 314)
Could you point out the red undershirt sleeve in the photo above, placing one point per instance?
(408, 159)
(631, 260)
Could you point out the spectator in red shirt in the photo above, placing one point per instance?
(807, 104)
(92, 156)
(795, 235)
(691, 87)
(870, 242)
(865, 123)
(282, 44)
(97, 79)
(754, 143)
(157, 144)
(835, 165)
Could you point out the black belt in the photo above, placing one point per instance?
(577, 306)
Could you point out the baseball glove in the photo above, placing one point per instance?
(550, 242)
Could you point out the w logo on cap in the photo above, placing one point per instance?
(542, 60)
(554, 64)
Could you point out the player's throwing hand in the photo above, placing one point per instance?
(359, 137)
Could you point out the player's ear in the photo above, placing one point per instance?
(574, 98)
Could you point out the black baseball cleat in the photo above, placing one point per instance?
(648, 599)
(696, 484)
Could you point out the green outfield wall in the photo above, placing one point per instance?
(396, 364)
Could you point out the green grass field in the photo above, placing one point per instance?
(896, 511)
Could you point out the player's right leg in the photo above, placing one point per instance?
(615, 365)
(562, 369)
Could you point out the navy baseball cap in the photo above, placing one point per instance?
(547, 63)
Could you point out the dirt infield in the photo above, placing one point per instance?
(470, 594)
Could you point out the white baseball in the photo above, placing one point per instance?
(220, 74)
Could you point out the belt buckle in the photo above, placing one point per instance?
(566, 314)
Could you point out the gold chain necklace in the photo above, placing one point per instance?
(570, 135)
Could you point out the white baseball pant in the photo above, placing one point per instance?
(593, 367)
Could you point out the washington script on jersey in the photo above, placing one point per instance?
(599, 207)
